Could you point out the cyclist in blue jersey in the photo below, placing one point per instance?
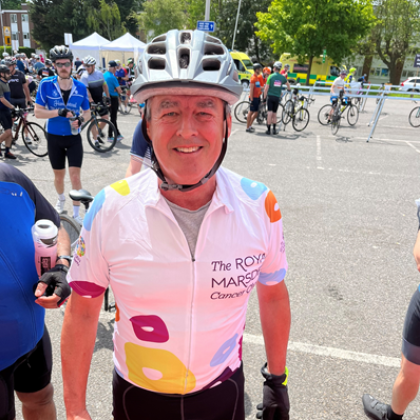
(58, 99)
(140, 152)
(25, 350)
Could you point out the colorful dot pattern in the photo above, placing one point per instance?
(94, 209)
(224, 351)
(272, 208)
(121, 187)
(150, 328)
(81, 247)
(253, 189)
(272, 278)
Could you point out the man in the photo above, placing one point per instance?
(5, 115)
(38, 65)
(96, 87)
(256, 84)
(140, 152)
(174, 247)
(114, 91)
(58, 99)
(46, 71)
(336, 87)
(25, 351)
(406, 385)
(272, 93)
(122, 77)
(19, 63)
(130, 69)
(19, 90)
(77, 63)
(285, 71)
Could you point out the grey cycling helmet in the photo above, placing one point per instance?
(277, 65)
(4, 69)
(60, 52)
(48, 62)
(186, 63)
(183, 63)
(5, 54)
(257, 66)
(89, 61)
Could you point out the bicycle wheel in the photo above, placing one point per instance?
(352, 115)
(288, 112)
(35, 139)
(335, 124)
(279, 114)
(106, 142)
(301, 120)
(324, 114)
(241, 111)
(414, 117)
(72, 228)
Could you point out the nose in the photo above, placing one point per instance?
(187, 127)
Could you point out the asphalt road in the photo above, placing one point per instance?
(350, 225)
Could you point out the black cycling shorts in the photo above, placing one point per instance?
(255, 105)
(411, 333)
(272, 103)
(30, 373)
(223, 402)
(61, 146)
(6, 119)
(21, 103)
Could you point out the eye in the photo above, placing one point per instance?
(170, 114)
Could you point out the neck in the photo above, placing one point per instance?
(191, 200)
(65, 84)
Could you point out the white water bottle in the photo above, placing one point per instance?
(44, 234)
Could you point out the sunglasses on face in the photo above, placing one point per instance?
(61, 65)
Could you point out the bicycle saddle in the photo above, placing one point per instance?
(81, 195)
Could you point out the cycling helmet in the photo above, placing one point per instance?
(9, 62)
(287, 66)
(352, 70)
(188, 63)
(277, 65)
(130, 61)
(343, 72)
(89, 61)
(5, 54)
(267, 70)
(257, 66)
(4, 69)
(36, 57)
(48, 62)
(60, 52)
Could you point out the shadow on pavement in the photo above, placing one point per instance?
(104, 335)
(248, 405)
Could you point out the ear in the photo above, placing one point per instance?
(229, 124)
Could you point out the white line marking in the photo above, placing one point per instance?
(412, 146)
(318, 148)
(320, 167)
(233, 132)
(380, 119)
(391, 140)
(331, 352)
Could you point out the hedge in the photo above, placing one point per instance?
(23, 50)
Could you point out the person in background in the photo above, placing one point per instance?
(130, 69)
(285, 71)
(38, 65)
(19, 63)
(256, 85)
(5, 114)
(266, 74)
(46, 71)
(77, 63)
(114, 91)
(122, 76)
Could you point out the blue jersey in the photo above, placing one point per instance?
(49, 96)
(21, 319)
(140, 149)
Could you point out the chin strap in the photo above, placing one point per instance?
(166, 186)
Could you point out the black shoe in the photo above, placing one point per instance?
(100, 140)
(374, 409)
(275, 132)
(9, 155)
(268, 132)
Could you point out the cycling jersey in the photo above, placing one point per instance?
(16, 82)
(21, 319)
(95, 83)
(338, 83)
(140, 149)
(180, 319)
(49, 95)
(258, 82)
(119, 74)
(45, 72)
(275, 84)
(4, 93)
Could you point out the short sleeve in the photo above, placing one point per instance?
(1, 91)
(40, 95)
(89, 273)
(139, 147)
(85, 103)
(84, 80)
(23, 78)
(274, 268)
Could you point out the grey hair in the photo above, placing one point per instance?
(148, 114)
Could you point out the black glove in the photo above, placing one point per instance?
(63, 112)
(275, 405)
(57, 283)
(14, 113)
(107, 101)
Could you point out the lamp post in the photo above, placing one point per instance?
(236, 24)
(2, 29)
(207, 15)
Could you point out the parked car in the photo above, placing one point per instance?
(412, 84)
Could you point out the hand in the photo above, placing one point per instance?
(84, 415)
(53, 289)
(107, 101)
(65, 113)
(416, 252)
(275, 405)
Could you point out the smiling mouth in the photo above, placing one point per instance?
(188, 149)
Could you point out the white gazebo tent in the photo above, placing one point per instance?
(89, 46)
(122, 49)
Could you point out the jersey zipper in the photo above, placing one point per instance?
(11, 269)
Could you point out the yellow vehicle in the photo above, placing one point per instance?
(320, 71)
(244, 65)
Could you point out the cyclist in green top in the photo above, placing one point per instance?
(272, 93)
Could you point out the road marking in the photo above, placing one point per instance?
(331, 352)
(233, 132)
(380, 119)
(318, 148)
(413, 147)
(391, 140)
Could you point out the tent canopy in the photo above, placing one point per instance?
(122, 49)
(89, 46)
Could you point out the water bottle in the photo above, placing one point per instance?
(44, 234)
(74, 130)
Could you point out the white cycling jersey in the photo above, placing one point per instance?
(179, 320)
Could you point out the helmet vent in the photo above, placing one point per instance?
(157, 64)
(184, 58)
(157, 49)
(211, 49)
(211, 65)
(214, 40)
(235, 76)
(160, 38)
(185, 38)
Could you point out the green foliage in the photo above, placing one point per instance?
(305, 28)
(106, 20)
(11, 4)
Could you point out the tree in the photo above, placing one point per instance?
(396, 30)
(11, 4)
(106, 20)
(305, 28)
(160, 16)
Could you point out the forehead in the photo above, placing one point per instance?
(182, 101)
(63, 60)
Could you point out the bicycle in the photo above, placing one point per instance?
(33, 135)
(243, 108)
(107, 127)
(346, 104)
(295, 110)
(414, 117)
(339, 107)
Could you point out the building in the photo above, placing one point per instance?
(16, 26)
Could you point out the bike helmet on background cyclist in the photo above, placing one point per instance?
(89, 61)
(60, 52)
(5, 54)
(287, 66)
(277, 65)
(257, 66)
(204, 67)
(130, 61)
(4, 69)
(9, 62)
(267, 70)
(48, 62)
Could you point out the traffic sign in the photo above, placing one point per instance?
(8, 41)
(206, 26)
(324, 56)
(417, 61)
(7, 31)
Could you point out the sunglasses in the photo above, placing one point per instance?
(61, 65)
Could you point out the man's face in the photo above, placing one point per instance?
(90, 69)
(130, 66)
(258, 71)
(187, 134)
(112, 69)
(64, 72)
(12, 69)
(342, 75)
(5, 76)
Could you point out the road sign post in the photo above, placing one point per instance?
(207, 14)
(206, 26)
(324, 56)
(416, 64)
(236, 24)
